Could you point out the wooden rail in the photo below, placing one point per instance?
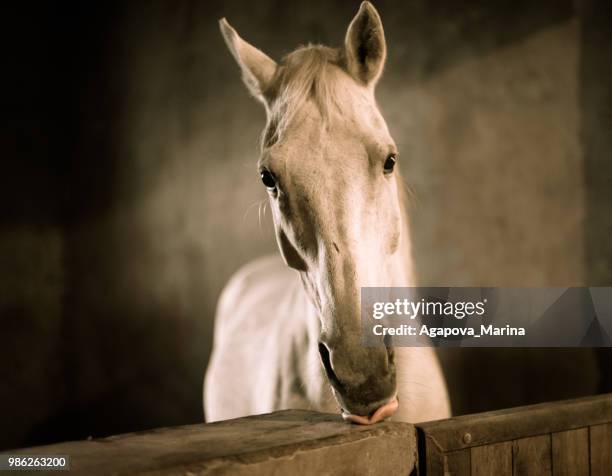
(292, 442)
(572, 437)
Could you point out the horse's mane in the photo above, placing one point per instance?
(310, 72)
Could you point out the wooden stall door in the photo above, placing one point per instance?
(571, 437)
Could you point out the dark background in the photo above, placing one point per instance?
(129, 192)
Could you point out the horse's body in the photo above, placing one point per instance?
(265, 358)
(328, 163)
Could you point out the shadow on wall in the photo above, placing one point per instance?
(129, 165)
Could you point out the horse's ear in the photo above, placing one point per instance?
(257, 68)
(365, 45)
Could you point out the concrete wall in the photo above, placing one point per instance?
(499, 176)
(596, 104)
(129, 157)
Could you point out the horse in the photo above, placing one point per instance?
(287, 328)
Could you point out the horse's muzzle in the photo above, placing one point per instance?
(383, 412)
(366, 396)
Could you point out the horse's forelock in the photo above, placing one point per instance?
(310, 72)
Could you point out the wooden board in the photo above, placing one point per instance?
(570, 453)
(601, 449)
(532, 456)
(492, 459)
(286, 442)
(458, 462)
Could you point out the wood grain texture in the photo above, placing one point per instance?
(520, 422)
(601, 449)
(532, 456)
(285, 442)
(458, 463)
(492, 459)
(432, 461)
(570, 453)
(430, 456)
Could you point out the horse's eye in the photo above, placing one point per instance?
(268, 179)
(390, 164)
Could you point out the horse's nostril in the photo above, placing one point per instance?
(388, 341)
(389, 347)
(390, 354)
(326, 359)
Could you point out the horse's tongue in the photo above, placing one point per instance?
(381, 414)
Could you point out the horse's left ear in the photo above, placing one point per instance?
(258, 69)
(365, 45)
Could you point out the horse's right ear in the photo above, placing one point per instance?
(257, 68)
(365, 45)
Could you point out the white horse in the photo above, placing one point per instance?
(329, 165)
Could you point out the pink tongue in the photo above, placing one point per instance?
(382, 413)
